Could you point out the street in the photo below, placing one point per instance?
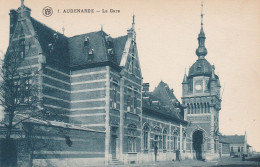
(223, 162)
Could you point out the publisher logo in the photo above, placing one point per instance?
(47, 11)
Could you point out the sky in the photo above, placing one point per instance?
(167, 39)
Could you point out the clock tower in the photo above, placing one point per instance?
(202, 103)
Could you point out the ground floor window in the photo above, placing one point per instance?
(146, 137)
(164, 139)
(132, 129)
(175, 141)
(231, 150)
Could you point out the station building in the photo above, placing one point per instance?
(94, 85)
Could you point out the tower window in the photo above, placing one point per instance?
(22, 48)
(131, 65)
(129, 101)
(135, 102)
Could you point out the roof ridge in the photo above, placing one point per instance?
(48, 27)
(87, 33)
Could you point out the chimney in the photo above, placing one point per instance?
(146, 87)
(13, 20)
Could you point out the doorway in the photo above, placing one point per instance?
(113, 146)
(197, 140)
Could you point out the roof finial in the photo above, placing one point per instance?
(201, 13)
(63, 30)
(133, 24)
(22, 3)
(101, 27)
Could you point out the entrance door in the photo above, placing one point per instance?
(113, 146)
(197, 139)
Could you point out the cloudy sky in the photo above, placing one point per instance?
(167, 39)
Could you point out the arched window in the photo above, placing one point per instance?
(208, 111)
(191, 108)
(195, 109)
(157, 137)
(132, 129)
(164, 140)
(184, 140)
(198, 108)
(188, 107)
(146, 137)
(175, 140)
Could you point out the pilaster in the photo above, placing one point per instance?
(107, 108)
(121, 125)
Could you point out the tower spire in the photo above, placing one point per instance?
(22, 3)
(185, 77)
(201, 51)
(133, 23)
(201, 14)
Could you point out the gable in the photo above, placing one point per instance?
(24, 33)
(130, 59)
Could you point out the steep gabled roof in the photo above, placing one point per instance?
(79, 53)
(46, 37)
(233, 139)
(119, 45)
(164, 88)
(72, 52)
(167, 97)
(156, 105)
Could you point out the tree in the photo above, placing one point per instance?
(19, 93)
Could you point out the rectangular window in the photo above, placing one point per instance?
(131, 138)
(22, 48)
(128, 103)
(135, 102)
(114, 96)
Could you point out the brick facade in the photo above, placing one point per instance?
(93, 84)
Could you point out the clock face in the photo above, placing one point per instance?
(198, 87)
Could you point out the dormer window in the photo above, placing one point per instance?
(55, 36)
(108, 40)
(86, 41)
(51, 47)
(91, 54)
(110, 52)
